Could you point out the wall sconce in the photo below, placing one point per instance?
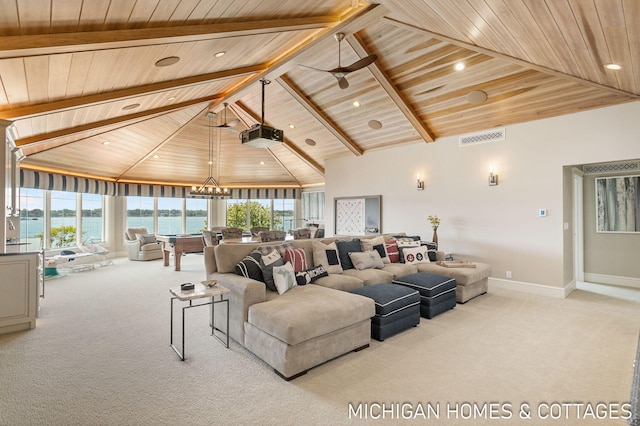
(420, 185)
(493, 177)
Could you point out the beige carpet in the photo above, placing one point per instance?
(100, 356)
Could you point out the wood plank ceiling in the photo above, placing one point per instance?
(76, 74)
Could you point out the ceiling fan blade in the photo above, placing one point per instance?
(364, 62)
(343, 83)
(311, 68)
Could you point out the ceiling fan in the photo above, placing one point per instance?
(340, 72)
(225, 125)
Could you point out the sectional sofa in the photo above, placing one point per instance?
(308, 324)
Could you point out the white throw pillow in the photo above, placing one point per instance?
(327, 256)
(284, 277)
(413, 255)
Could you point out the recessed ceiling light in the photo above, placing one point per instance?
(165, 62)
(292, 126)
(476, 97)
(105, 142)
(171, 98)
(459, 66)
(130, 106)
(356, 104)
(156, 156)
(219, 54)
(262, 163)
(375, 124)
(310, 142)
(613, 66)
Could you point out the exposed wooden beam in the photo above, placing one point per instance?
(511, 59)
(115, 95)
(47, 44)
(318, 114)
(124, 120)
(396, 97)
(240, 107)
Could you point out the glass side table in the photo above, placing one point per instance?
(200, 292)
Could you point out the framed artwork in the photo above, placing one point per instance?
(358, 215)
(618, 204)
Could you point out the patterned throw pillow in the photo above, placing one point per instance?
(310, 275)
(392, 251)
(280, 248)
(406, 243)
(433, 248)
(366, 260)
(414, 255)
(297, 257)
(284, 277)
(267, 263)
(378, 244)
(327, 256)
(250, 267)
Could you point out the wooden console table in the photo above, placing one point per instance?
(178, 244)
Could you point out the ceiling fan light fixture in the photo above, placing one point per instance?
(169, 60)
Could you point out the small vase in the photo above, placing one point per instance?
(435, 236)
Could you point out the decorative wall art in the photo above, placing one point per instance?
(618, 204)
(358, 215)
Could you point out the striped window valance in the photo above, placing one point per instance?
(138, 190)
(55, 182)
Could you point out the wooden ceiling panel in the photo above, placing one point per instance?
(68, 67)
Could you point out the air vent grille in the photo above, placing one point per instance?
(606, 168)
(483, 137)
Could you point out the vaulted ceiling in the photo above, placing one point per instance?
(81, 81)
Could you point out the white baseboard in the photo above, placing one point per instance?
(612, 280)
(531, 288)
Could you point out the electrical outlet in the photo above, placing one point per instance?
(508, 274)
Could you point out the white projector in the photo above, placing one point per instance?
(261, 136)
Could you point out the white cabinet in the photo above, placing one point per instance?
(19, 278)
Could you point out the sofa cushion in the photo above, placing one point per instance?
(370, 276)
(327, 256)
(311, 275)
(340, 281)
(297, 257)
(376, 243)
(310, 311)
(413, 255)
(267, 263)
(132, 232)
(250, 267)
(344, 248)
(146, 238)
(400, 269)
(284, 277)
(366, 260)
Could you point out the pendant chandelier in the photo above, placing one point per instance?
(210, 187)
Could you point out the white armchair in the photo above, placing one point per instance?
(141, 245)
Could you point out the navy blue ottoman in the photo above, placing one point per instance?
(397, 308)
(437, 292)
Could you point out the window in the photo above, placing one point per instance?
(196, 215)
(169, 216)
(140, 213)
(32, 216)
(313, 206)
(237, 214)
(92, 223)
(63, 219)
(274, 214)
(283, 218)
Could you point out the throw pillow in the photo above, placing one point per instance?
(327, 256)
(392, 251)
(268, 248)
(402, 244)
(346, 247)
(310, 275)
(407, 237)
(433, 249)
(297, 257)
(146, 238)
(413, 255)
(366, 260)
(378, 244)
(267, 263)
(284, 277)
(250, 267)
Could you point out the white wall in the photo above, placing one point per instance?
(500, 224)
